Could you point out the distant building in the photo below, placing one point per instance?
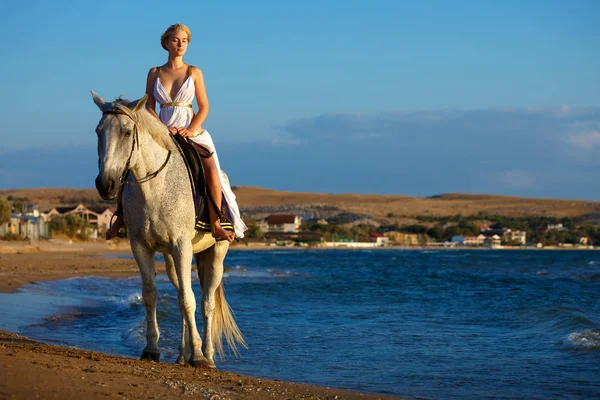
(464, 240)
(26, 226)
(402, 238)
(103, 217)
(555, 227)
(491, 232)
(508, 235)
(394, 236)
(97, 218)
(282, 223)
(379, 239)
(517, 236)
(78, 209)
(493, 242)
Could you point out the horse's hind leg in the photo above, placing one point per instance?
(210, 268)
(185, 351)
(145, 261)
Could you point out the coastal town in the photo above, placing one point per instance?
(89, 223)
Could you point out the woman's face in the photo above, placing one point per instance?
(177, 43)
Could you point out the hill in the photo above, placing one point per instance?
(257, 202)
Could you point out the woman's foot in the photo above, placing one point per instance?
(219, 233)
(113, 231)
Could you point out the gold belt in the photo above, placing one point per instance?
(176, 104)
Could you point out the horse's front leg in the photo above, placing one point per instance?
(145, 261)
(185, 350)
(182, 257)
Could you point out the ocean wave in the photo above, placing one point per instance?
(57, 319)
(457, 255)
(586, 277)
(566, 318)
(132, 299)
(283, 274)
(240, 271)
(588, 340)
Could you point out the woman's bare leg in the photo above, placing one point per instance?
(112, 232)
(114, 228)
(213, 184)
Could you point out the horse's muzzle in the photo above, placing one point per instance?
(107, 188)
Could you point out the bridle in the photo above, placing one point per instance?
(136, 143)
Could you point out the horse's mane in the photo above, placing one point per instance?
(148, 123)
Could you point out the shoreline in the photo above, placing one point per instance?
(33, 369)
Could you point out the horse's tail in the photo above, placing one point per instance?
(224, 325)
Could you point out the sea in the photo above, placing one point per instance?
(441, 324)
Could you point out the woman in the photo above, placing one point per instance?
(174, 86)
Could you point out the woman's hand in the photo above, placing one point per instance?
(173, 130)
(183, 132)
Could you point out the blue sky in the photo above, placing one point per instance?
(396, 97)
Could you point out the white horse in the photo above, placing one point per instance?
(136, 151)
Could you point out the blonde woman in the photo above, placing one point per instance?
(173, 86)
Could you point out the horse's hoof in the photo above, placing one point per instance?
(203, 363)
(150, 356)
(181, 361)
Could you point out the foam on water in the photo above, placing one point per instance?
(134, 298)
(588, 340)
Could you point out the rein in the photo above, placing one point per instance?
(136, 140)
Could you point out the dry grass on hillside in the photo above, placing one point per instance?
(47, 198)
(377, 206)
(380, 206)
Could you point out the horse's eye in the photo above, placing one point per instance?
(127, 133)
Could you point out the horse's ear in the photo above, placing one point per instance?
(98, 101)
(138, 104)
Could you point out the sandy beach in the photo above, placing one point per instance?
(29, 369)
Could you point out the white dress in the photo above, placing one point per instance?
(181, 115)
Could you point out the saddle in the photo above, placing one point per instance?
(192, 153)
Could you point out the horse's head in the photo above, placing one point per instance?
(117, 142)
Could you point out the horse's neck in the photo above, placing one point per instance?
(151, 158)
(163, 191)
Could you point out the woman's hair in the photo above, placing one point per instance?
(170, 30)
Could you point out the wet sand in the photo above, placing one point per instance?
(34, 370)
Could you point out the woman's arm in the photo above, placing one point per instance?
(201, 99)
(151, 102)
